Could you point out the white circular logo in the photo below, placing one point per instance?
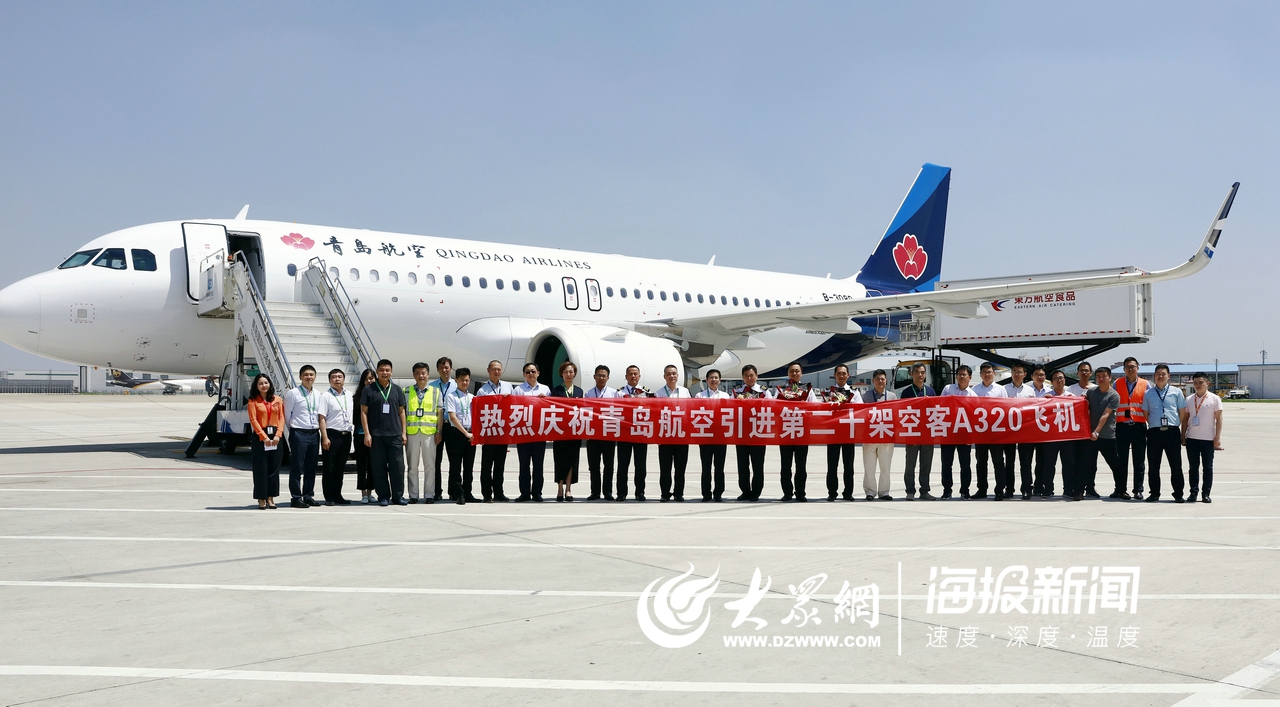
(677, 606)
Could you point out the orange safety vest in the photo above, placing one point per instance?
(1131, 406)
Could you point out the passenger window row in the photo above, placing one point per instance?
(430, 280)
(112, 259)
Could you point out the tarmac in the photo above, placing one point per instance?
(130, 575)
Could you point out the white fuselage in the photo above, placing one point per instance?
(419, 297)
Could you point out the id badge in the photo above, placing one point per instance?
(1195, 420)
(386, 408)
(419, 412)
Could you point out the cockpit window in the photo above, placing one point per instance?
(143, 259)
(111, 258)
(78, 259)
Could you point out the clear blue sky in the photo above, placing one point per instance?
(773, 135)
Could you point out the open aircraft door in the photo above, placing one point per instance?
(201, 241)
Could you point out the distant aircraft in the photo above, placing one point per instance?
(167, 386)
(130, 297)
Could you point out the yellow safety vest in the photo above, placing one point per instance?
(428, 405)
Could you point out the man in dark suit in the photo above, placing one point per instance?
(922, 453)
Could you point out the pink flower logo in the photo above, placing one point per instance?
(910, 257)
(297, 240)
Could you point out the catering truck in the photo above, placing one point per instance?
(1098, 320)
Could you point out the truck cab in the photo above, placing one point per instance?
(939, 372)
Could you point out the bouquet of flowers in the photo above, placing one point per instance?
(837, 395)
(640, 392)
(794, 391)
(745, 393)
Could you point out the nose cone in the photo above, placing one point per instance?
(20, 315)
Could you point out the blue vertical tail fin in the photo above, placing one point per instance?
(909, 255)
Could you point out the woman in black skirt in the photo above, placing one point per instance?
(364, 475)
(566, 452)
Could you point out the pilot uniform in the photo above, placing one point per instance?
(751, 456)
(841, 452)
(631, 451)
(713, 456)
(601, 450)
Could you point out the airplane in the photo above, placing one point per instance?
(129, 298)
(167, 386)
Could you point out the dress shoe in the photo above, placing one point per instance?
(965, 495)
(980, 494)
(428, 501)
(664, 498)
(743, 497)
(402, 502)
(298, 503)
(413, 501)
(910, 497)
(831, 497)
(522, 499)
(678, 499)
(1118, 495)
(560, 498)
(384, 502)
(847, 496)
(1203, 499)
(310, 501)
(871, 497)
(706, 499)
(1191, 497)
(501, 499)
(1153, 498)
(946, 495)
(926, 496)
(640, 498)
(1178, 499)
(1078, 497)
(786, 497)
(488, 500)
(721, 500)
(342, 502)
(619, 499)
(593, 497)
(999, 497)
(886, 497)
(802, 499)
(568, 498)
(608, 497)
(1137, 496)
(1026, 497)
(461, 501)
(1090, 493)
(537, 499)
(329, 503)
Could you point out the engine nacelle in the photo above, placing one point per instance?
(590, 345)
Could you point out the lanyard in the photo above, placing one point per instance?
(1199, 401)
(308, 402)
(421, 394)
(917, 392)
(493, 389)
(342, 402)
(874, 398)
(1131, 386)
(464, 410)
(673, 393)
(1161, 396)
(386, 394)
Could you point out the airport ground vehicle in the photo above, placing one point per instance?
(939, 371)
(1240, 392)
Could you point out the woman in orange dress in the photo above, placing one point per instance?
(266, 416)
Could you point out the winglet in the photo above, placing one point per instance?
(712, 261)
(1215, 230)
(244, 213)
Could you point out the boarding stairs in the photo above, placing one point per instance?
(323, 330)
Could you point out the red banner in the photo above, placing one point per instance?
(512, 419)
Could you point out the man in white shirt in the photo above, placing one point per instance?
(876, 455)
(1202, 434)
(995, 452)
(672, 454)
(1024, 451)
(1050, 452)
(493, 457)
(445, 386)
(836, 453)
(632, 451)
(302, 418)
(960, 388)
(336, 425)
(600, 449)
(531, 454)
(751, 457)
(457, 438)
(1082, 385)
(712, 454)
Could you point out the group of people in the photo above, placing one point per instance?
(401, 435)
